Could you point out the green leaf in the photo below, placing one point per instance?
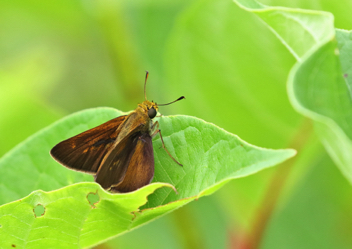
(319, 84)
(67, 218)
(77, 217)
(299, 30)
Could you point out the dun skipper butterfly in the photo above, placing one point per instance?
(119, 153)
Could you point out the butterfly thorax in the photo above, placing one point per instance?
(143, 114)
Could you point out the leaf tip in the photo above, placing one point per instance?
(292, 152)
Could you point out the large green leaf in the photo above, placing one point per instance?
(319, 85)
(210, 155)
(68, 218)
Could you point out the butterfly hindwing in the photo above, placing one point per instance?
(114, 166)
(140, 169)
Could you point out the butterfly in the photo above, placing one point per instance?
(119, 153)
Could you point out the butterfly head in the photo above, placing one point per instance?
(150, 107)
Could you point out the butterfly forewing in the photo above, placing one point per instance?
(85, 151)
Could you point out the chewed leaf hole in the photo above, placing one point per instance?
(39, 210)
(93, 198)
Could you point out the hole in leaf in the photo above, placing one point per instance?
(93, 198)
(39, 210)
(13, 245)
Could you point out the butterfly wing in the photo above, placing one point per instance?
(114, 165)
(85, 151)
(119, 153)
(127, 153)
(130, 165)
(140, 171)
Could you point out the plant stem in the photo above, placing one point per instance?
(276, 186)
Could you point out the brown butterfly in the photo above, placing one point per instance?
(119, 153)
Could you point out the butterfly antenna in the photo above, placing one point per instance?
(182, 97)
(145, 84)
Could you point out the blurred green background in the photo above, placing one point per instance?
(58, 57)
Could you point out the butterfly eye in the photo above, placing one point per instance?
(151, 113)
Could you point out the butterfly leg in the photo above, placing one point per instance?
(157, 130)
